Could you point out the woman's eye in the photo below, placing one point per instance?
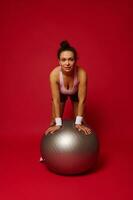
(71, 59)
(63, 60)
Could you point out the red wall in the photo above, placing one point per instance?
(30, 35)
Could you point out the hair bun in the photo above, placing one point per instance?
(64, 44)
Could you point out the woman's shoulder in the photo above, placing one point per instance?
(81, 71)
(55, 73)
(55, 70)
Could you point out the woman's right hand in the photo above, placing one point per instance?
(52, 129)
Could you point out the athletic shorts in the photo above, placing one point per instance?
(64, 97)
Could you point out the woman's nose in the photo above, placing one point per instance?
(67, 62)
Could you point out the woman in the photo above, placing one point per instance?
(68, 80)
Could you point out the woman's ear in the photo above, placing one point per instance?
(59, 62)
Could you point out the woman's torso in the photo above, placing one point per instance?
(68, 80)
(68, 85)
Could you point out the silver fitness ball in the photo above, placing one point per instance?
(69, 151)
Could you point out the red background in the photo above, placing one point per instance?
(30, 35)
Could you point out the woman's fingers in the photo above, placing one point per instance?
(49, 130)
(88, 130)
(52, 129)
(84, 129)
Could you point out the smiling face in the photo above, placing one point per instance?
(67, 61)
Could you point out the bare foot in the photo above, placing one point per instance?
(41, 160)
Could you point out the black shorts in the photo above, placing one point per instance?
(64, 97)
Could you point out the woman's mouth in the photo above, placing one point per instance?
(67, 68)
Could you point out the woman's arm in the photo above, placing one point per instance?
(55, 93)
(56, 103)
(82, 91)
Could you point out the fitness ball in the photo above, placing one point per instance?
(69, 151)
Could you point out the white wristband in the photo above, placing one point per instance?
(58, 121)
(78, 120)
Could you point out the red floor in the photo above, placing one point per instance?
(24, 178)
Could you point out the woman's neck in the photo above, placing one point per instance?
(69, 74)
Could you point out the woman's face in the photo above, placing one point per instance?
(67, 61)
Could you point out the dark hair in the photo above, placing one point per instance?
(65, 46)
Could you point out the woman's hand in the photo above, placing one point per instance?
(52, 129)
(83, 128)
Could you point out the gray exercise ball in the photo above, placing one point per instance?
(69, 151)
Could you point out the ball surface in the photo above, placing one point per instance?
(69, 151)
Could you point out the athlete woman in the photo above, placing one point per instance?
(68, 80)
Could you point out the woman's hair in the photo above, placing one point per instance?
(65, 46)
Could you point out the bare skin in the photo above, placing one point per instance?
(67, 64)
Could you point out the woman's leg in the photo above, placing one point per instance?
(75, 108)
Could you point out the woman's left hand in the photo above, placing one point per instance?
(83, 128)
